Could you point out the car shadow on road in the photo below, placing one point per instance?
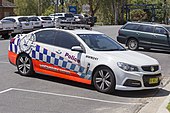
(143, 93)
(155, 51)
(61, 81)
(130, 94)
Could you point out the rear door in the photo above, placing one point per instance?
(70, 61)
(145, 34)
(160, 37)
(43, 50)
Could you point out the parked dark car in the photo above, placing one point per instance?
(146, 35)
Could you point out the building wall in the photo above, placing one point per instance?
(6, 11)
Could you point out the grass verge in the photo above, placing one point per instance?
(168, 107)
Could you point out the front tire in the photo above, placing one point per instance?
(133, 44)
(24, 65)
(104, 80)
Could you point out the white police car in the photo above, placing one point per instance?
(84, 56)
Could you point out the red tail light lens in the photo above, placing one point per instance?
(119, 32)
(12, 40)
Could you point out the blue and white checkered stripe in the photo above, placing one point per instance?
(47, 56)
(14, 47)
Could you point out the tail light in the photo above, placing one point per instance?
(12, 40)
(119, 32)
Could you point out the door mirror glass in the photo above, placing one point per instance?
(77, 48)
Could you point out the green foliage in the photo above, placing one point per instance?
(168, 107)
(107, 11)
(49, 11)
(138, 15)
(25, 7)
(31, 7)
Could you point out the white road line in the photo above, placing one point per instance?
(78, 97)
(4, 91)
(3, 55)
(4, 62)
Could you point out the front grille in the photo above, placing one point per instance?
(150, 68)
(147, 77)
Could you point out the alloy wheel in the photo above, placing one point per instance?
(104, 80)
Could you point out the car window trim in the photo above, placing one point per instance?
(159, 27)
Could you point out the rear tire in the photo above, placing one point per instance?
(104, 80)
(24, 65)
(133, 44)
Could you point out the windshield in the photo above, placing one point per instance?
(101, 42)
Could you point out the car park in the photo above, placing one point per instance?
(21, 23)
(36, 22)
(6, 28)
(84, 56)
(63, 17)
(46, 21)
(146, 35)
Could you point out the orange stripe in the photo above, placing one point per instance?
(72, 76)
(12, 57)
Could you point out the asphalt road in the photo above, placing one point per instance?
(44, 94)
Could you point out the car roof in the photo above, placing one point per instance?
(80, 31)
(75, 31)
(43, 16)
(15, 17)
(148, 23)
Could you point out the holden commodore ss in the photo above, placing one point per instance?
(84, 56)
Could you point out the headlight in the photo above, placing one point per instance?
(127, 67)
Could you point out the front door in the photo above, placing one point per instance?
(145, 34)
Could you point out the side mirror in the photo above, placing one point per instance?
(77, 48)
(166, 33)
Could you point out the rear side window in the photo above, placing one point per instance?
(160, 30)
(131, 26)
(47, 37)
(146, 28)
(46, 18)
(66, 40)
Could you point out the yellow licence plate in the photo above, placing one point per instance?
(153, 80)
